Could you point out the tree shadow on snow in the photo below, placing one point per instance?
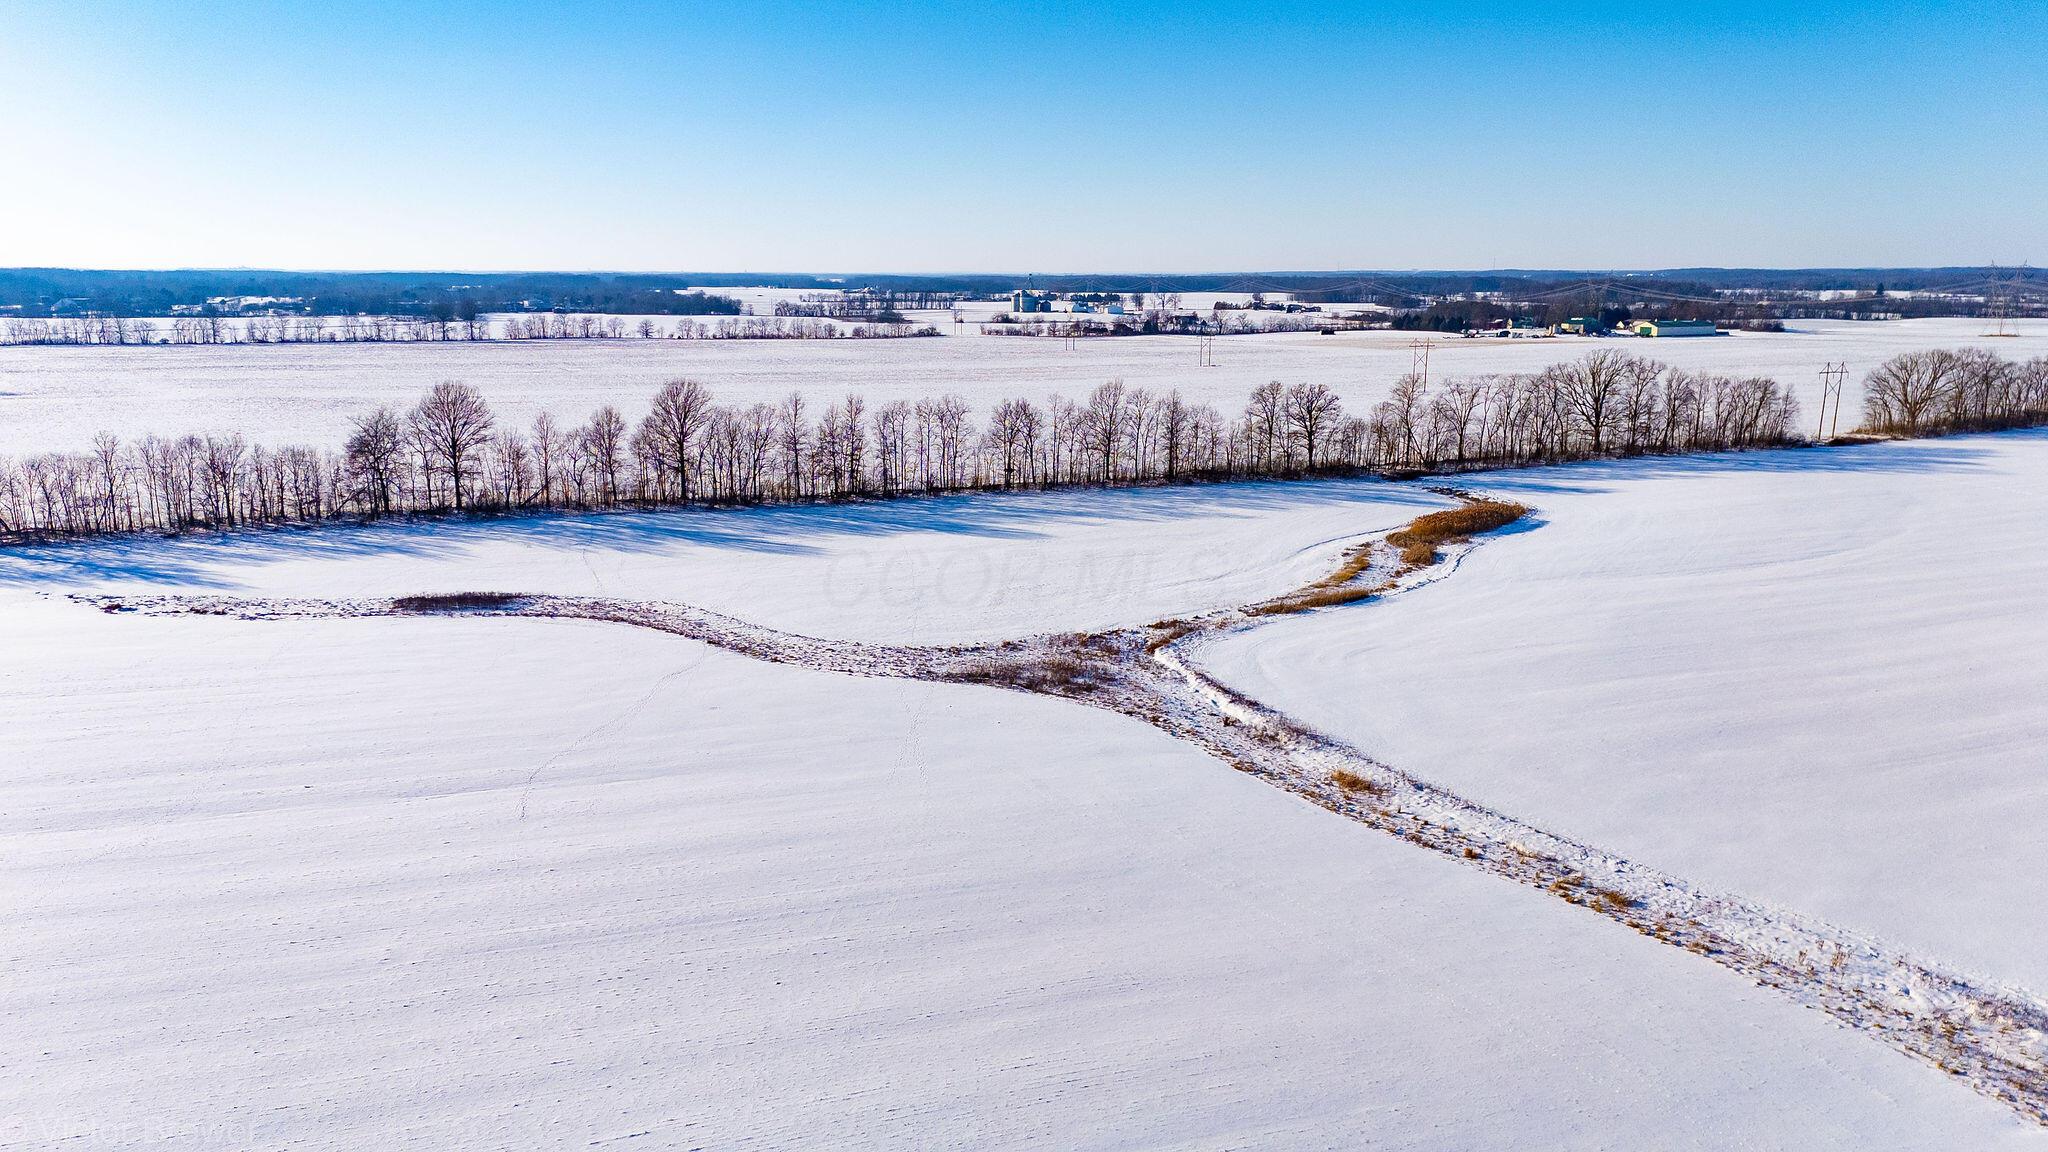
(1952, 456)
(209, 559)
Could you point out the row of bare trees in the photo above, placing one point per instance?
(79, 330)
(95, 330)
(451, 452)
(1607, 403)
(1949, 390)
(794, 328)
(1153, 322)
(215, 329)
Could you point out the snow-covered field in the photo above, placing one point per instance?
(1813, 678)
(479, 883)
(58, 397)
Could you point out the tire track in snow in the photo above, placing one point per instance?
(1993, 1037)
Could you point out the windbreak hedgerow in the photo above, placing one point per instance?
(450, 452)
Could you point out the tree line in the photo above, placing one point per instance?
(55, 292)
(49, 291)
(117, 330)
(451, 452)
(1948, 390)
(1158, 321)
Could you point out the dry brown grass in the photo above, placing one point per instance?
(1608, 900)
(1421, 538)
(1330, 591)
(1418, 542)
(1053, 673)
(1418, 554)
(454, 601)
(1317, 596)
(1353, 782)
(1166, 632)
(1579, 890)
(1355, 563)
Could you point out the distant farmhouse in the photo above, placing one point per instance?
(1594, 326)
(1676, 328)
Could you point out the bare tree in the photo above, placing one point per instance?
(758, 427)
(1454, 410)
(1400, 413)
(680, 411)
(375, 453)
(604, 443)
(1105, 418)
(1012, 431)
(1176, 421)
(1591, 385)
(1311, 411)
(1265, 418)
(853, 441)
(453, 425)
(514, 467)
(892, 446)
(794, 432)
(110, 469)
(955, 429)
(547, 454)
(223, 468)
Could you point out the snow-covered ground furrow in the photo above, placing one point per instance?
(1993, 1037)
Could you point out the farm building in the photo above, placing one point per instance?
(1676, 328)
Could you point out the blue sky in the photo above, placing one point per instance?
(1030, 136)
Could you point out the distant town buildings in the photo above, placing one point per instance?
(240, 306)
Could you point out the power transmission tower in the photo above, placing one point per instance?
(1832, 377)
(1418, 355)
(1998, 306)
(1206, 350)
